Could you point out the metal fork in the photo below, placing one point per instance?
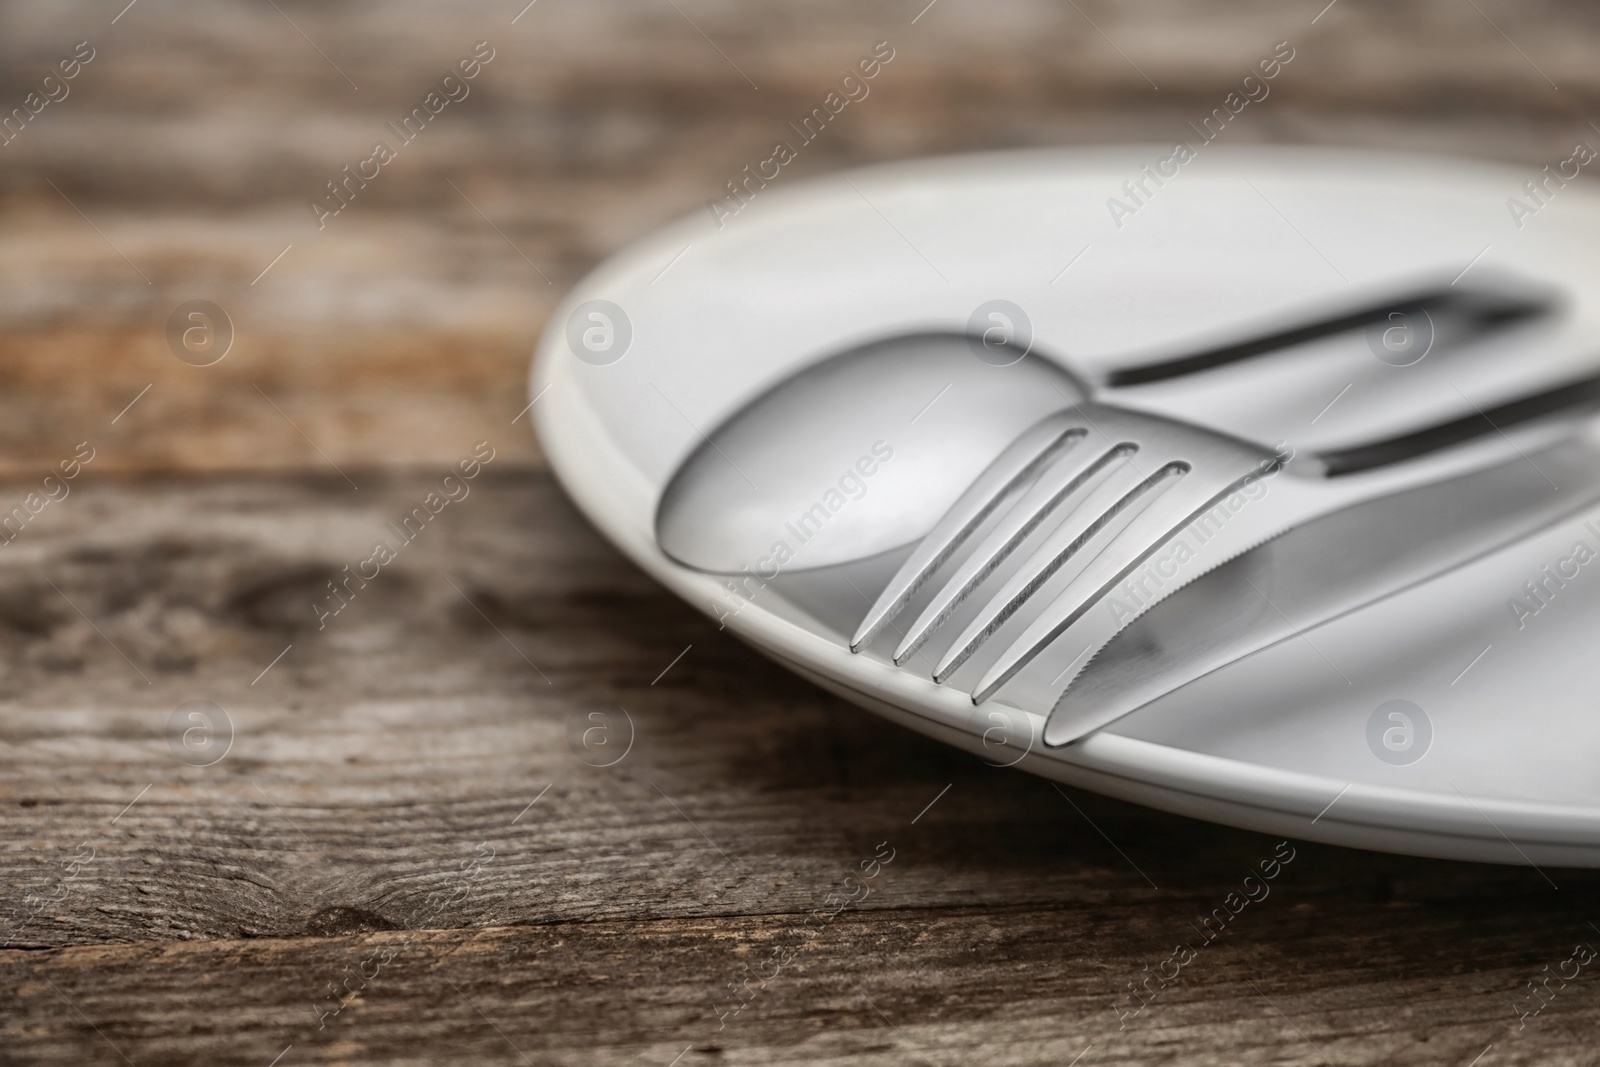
(1161, 473)
(1141, 480)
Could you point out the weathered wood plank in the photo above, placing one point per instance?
(195, 143)
(1011, 986)
(599, 925)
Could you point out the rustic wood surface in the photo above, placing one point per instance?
(371, 828)
(193, 141)
(401, 858)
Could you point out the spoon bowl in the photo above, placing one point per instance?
(852, 457)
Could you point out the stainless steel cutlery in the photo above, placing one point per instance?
(1095, 513)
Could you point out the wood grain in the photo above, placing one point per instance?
(192, 144)
(604, 923)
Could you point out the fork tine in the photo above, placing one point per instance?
(1155, 527)
(1022, 458)
(1065, 476)
(1125, 487)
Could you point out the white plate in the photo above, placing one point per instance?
(699, 319)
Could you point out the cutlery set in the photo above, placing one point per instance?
(1181, 520)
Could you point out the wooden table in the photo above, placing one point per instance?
(399, 856)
